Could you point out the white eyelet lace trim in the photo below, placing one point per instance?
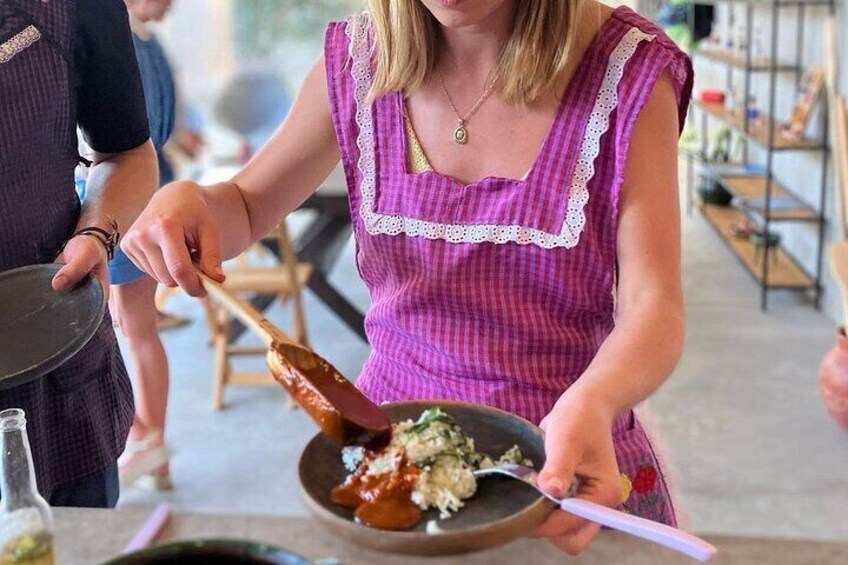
(18, 43)
(392, 224)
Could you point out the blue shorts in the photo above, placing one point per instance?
(122, 270)
(97, 490)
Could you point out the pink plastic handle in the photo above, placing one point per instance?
(150, 529)
(672, 538)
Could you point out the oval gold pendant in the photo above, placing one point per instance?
(460, 135)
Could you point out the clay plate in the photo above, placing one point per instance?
(40, 328)
(502, 509)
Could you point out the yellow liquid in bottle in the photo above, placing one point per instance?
(28, 549)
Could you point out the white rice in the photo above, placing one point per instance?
(433, 528)
(443, 453)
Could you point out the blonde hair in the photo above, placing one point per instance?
(531, 63)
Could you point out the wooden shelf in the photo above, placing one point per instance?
(839, 269)
(758, 134)
(752, 187)
(746, 189)
(734, 59)
(783, 272)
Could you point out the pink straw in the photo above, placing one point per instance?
(150, 529)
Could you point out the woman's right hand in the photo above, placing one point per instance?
(174, 232)
(186, 225)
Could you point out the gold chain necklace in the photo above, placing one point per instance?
(460, 134)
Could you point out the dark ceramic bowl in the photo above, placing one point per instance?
(40, 328)
(211, 552)
(502, 509)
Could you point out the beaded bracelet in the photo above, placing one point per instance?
(108, 239)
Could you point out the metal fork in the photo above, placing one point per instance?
(672, 538)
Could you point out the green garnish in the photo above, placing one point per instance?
(430, 417)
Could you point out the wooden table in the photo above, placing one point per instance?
(86, 537)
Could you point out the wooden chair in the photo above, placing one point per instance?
(284, 280)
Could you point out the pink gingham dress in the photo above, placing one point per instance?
(500, 292)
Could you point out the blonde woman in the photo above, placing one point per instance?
(512, 178)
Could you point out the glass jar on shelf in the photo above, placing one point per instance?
(731, 100)
(740, 44)
(26, 522)
(758, 50)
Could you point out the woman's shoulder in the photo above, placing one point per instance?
(633, 19)
(347, 39)
(347, 52)
(343, 30)
(335, 34)
(659, 54)
(339, 39)
(603, 25)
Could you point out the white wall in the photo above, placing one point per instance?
(198, 37)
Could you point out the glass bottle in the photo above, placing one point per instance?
(26, 522)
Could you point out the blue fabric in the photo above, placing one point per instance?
(160, 97)
(159, 90)
(166, 171)
(122, 270)
(97, 490)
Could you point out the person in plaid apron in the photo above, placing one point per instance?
(513, 188)
(63, 64)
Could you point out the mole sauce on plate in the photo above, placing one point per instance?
(381, 501)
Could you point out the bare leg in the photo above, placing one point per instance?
(133, 306)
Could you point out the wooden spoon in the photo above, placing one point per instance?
(341, 411)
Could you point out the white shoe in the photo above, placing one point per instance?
(155, 482)
(142, 458)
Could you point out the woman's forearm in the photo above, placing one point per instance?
(118, 187)
(637, 357)
(186, 223)
(645, 345)
(244, 216)
(231, 215)
(283, 173)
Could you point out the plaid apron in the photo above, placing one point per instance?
(77, 416)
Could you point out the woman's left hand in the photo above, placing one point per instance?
(83, 255)
(578, 442)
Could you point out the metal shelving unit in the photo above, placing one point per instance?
(781, 271)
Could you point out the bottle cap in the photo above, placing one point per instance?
(12, 420)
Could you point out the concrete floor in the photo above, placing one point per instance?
(754, 449)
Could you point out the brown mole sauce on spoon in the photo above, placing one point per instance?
(344, 414)
(381, 501)
(341, 411)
